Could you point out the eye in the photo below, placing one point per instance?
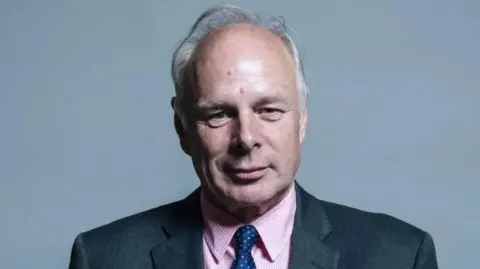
(268, 110)
(217, 119)
(271, 114)
(218, 115)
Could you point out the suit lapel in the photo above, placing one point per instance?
(310, 228)
(182, 246)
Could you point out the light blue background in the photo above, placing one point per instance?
(86, 135)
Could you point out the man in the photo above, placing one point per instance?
(240, 114)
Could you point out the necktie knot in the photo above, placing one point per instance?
(245, 237)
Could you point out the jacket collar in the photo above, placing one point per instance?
(310, 229)
(182, 243)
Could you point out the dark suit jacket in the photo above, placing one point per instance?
(325, 235)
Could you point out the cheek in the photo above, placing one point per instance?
(213, 141)
(281, 135)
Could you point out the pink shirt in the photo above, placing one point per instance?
(272, 250)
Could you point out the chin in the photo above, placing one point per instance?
(253, 195)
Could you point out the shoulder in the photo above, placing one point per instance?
(349, 220)
(360, 230)
(146, 223)
(127, 242)
(134, 235)
(373, 237)
(353, 221)
(372, 224)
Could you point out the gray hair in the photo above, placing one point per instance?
(218, 17)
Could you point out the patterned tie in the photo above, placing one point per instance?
(245, 237)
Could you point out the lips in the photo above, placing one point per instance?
(248, 173)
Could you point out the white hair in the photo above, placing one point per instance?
(218, 17)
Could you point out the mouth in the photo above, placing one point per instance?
(248, 174)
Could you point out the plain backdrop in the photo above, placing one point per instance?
(86, 133)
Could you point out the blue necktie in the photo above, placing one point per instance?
(246, 236)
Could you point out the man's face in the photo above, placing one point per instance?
(245, 124)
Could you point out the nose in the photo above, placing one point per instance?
(245, 134)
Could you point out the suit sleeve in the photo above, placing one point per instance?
(426, 256)
(78, 257)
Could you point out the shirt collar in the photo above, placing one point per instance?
(274, 227)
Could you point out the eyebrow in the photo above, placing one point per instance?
(211, 104)
(271, 100)
(208, 104)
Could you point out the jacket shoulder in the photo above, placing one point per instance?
(126, 242)
(377, 238)
(354, 220)
(144, 223)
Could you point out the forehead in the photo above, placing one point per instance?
(243, 56)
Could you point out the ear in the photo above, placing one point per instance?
(180, 129)
(303, 124)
